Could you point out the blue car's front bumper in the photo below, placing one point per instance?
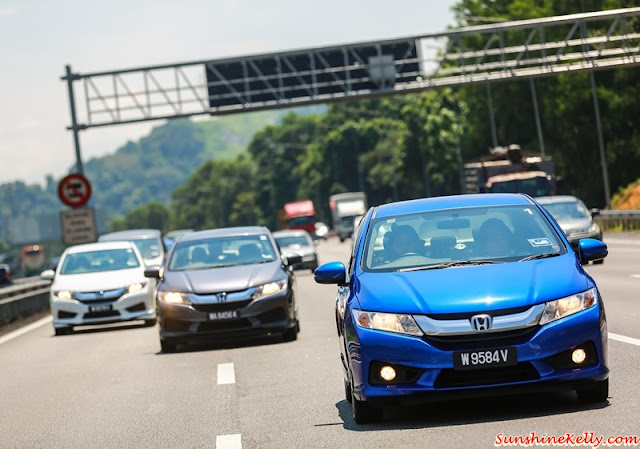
(432, 361)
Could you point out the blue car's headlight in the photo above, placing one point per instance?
(390, 322)
(560, 308)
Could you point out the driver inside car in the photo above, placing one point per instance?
(404, 241)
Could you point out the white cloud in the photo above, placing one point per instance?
(4, 12)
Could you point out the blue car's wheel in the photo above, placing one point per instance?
(599, 392)
(347, 391)
(364, 413)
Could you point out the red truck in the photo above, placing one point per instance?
(300, 215)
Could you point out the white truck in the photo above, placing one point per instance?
(345, 207)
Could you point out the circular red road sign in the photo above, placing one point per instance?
(74, 190)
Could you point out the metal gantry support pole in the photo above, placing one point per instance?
(537, 115)
(603, 158)
(70, 77)
(492, 119)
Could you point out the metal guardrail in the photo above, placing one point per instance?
(19, 301)
(619, 220)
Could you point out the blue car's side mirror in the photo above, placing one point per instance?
(331, 273)
(592, 249)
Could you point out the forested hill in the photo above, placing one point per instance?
(151, 168)
(138, 172)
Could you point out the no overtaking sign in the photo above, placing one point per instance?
(74, 190)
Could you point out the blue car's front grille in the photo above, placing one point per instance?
(522, 372)
(481, 340)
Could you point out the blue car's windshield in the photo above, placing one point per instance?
(221, 252)
(467, 235)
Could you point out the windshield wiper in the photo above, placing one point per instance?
(458, 263)
(539, 256)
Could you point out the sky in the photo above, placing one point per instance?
(39, 37)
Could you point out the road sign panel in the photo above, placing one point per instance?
(74, 190)
(78, 226)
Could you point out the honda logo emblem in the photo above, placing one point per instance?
(481, 323)
(222, 297)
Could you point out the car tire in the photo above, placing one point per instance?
(598, 262)
(342, 239)
(347, 391)
(599, 392)
(63, 330)
(291, 334)
(150, 323)
(168, 346)
(364, 413)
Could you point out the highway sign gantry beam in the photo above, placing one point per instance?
(486, 53)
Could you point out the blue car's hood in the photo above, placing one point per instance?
(479, 288)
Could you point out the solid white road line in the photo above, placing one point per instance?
(624, 339)
(15, 334)
(229, 441)
(226, 374)
(622, 241)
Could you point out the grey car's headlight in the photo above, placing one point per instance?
(173, 297)
(390, 322)
(64, 294)
(560, 308)
(269, 289)
(594, 228)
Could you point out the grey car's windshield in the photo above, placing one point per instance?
(96, 261)
(149, 248)
(459, 237)
(567, 210)
(221, 252)
(294, 240)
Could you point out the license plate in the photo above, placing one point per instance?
(226, 315)
(100, 308)
(486, 358)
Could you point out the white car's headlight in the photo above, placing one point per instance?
(390, 322)
(560, 308)
(594, 228)
(174, 297)
(64, 294)
(136, 287)
(269, 289)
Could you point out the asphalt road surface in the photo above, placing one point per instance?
(108, 387)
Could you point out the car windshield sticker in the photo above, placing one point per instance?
(391, 220)
(263, 237)
(540, 242)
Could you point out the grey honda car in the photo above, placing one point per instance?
(223, 284)
(573, 217)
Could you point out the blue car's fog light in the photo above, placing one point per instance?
(579, 356)
(381, 373)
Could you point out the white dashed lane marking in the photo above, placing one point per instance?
(226, 374)
(624, 339)
(229, 441)
(637, 276)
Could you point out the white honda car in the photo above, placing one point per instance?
(100, 283)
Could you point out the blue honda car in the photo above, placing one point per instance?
(472, 293)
